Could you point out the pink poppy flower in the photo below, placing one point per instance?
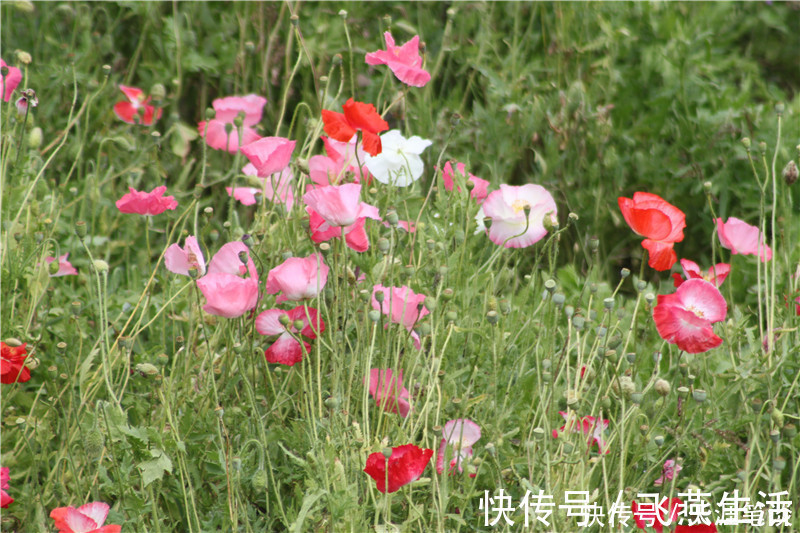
(340, 163)
(404, 61)
(9, 79)
(227, 110)
(286, 350)
(227, 293)
(87, 518)
(146, 203)
(355, 235)
(479, 192)
(341, 205)
(269, 155)
(741, 238)
(660, 222)
(298, 278)
(405, 465)
(5, 499)
(589, 426)
(65, 268)
(715, 274)
(668, 472)
(388, 391)
(136, 110)
(506, 208)
(459, 436)
(276, 188)
(685, 317)
(403, 306)
(180, 260)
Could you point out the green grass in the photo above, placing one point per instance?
(592, 101)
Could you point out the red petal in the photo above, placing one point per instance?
(371, 143)
(662, 256)
(336, 126)
(364, 117)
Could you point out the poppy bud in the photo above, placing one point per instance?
(284, 320)
(746, 143)
(447, 295)
(762, 146)
(298, 324)
(451, 316)
(374, 314)
(430, 303)
(659, 440)
(649, 298)
(662, 387)
(80, 229)
(147, 369)
(35, 138)
(158, 92)
(559, 299)
(578, 322)
(779, 108)
(380, 296)
(779, 463)
(774, 435)
(383, 245)
(100, 266)
(608, 303)
(550, 285)
(790, 431)
(93, 443)
(295, 20)
(641, 285)
(624, 273)
(53, 267)
(343, 13)
(790, 173)
(492, 317)
(777, 417)
(683, 392)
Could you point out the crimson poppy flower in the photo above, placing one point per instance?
(357, 116)
(685, 317)
(5, 499)
(286, 350)
(87, 518)
(405, 465)
(9, 80)
(588, 425)
(741, 238)
(388, 390)
(660, 222)
(715, 274)
(136, 109)
(146, 203)
(404, 61)
(12, 364)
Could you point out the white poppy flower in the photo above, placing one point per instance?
(399, 162)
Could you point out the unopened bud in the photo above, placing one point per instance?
(80, 229)
(158, 92)
(35, 138)
(391, 218)
(777, 417)
(295, 20)
(24, 57)
(284, 320)
(790, 173)
(298, 324)
(147, 369)
(100, 266)
(662, 387)
(492, 317)
(383, 245)
(374, 314)
(746, 143)
(430, 303)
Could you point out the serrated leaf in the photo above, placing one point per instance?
(154, 468)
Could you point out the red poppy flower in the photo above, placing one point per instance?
(405, 465)
(146, 203)
(130, 111)
(87, 518)
(12, 364)
(357, 116)
(660, 222)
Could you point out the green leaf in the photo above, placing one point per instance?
(154, 468)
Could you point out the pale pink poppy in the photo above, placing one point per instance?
(180, 260)
(481, 187)
(136, 109)
(87, 518)
(298, 278)
(227, 109)
(276, 188)
(404, 61)
(741, 238)
(458, 436)
(9, 80)
(691, 270)
(286, 350)
(402, 306)
(588, 425)
(146, 203)
(340, 163)
(269, 155)
(227, 293)
(506, 208)
(668, 472)
(5, 499)
(65, 268)
(388, 391)
(340, 205)
(685, 318)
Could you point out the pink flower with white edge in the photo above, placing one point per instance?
(9, 79)
(388, 390)
(146, 203)
(65, 268)
(668, 472)
(227, 293)
(404, 61)
(179, 260)
(136, 110)
(507, 208)
(458, 436)
(685, 318)
(5, 499)
(87, 518)
(286, 350)
(227, 109)
(276, 188)
(298, 278)
(589, 426)
(402, 306)
(340, 205)
(481, 187)
(691, 270)
(741, 238)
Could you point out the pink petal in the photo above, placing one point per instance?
(702, 296)
(125, 111)
(506, 208)
(228, 295)
(461, 431)
(227, 261)
(741, 238)
(268, 322)
(269, 154)
(298, 278)
(79, 522)
(179, 260)
(10, 81)
(684, 328)
(97, 511)
(286, 351)
(245, 195)
(218, 139)
(229, 107)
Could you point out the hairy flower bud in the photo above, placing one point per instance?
(790, 173)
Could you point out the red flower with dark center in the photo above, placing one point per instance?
(357, 116)
(12, 364)
(660, 222)
(405, 465)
